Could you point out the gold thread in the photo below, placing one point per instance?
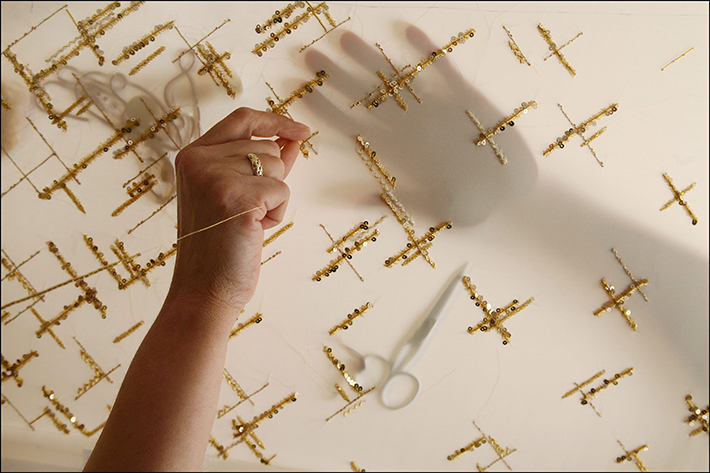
(235, 386)
(52, 154)
(61, 183)
(25, 176)
(257, 318)
(190, 48)
(108, 266)
(678, 196)
(139, 188)
(291, 26)
(593, 392)
(345, 255)
(475, 444)
(143, 42)
(270, 257)
(5, 399)
(341, 369)
(507, 121)
(414, 250)
(258, 454)
(277, 234)
(360, 238)
(564, 45)
(354, 233)
(585, 383)
(580, 129)
(633, 455)
(128, 332)
(213, 64)
(35, 27)
(280, 106)
(135, 271)
(89, 29)
(402, 78)
(226, 409)
(628, 273)
(347, 406)
(323, 35)
(57, 286)
(57, 423)
(278, 16)
(617, 300)
(483, 439)
(348, 321)
(674, 60)
(14, 273)
(514, 47)
(49, 330)
(369, 157)
(400, 213)
(146, 61)
(12, 370)
(61, 408)
(152, 214)
(88, 296)
(99, 374)
(555, 50)
(342, 393)
(221, 451)
(145, 169)
(222, 221)
(493, 318)
(697, 415)
(149, 133)
(240, 429)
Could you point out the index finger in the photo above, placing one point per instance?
(243, 123)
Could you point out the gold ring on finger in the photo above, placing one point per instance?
(255, 164)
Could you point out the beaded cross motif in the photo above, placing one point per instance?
(493, 318)
(617, 300)
(486, 136)
(483, 439)
(402, 78)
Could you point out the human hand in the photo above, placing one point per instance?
(429, 148)
(219, 267)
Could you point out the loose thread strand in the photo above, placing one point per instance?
(130, 258)
(221, 222)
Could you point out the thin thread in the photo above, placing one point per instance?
(36, 294)
(221, 222)
(130, 258)
(674, 60)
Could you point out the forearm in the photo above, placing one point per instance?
(167, 404)
(165, 409)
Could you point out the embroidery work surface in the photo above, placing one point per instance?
(98, 98)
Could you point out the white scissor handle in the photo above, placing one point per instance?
(400, 389)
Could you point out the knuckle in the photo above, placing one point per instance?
(187, 160)
(243, 113)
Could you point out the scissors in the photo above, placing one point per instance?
(401, 387)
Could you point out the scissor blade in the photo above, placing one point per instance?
(440, 309)
(418, 342)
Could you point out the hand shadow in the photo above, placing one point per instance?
(430, 148)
